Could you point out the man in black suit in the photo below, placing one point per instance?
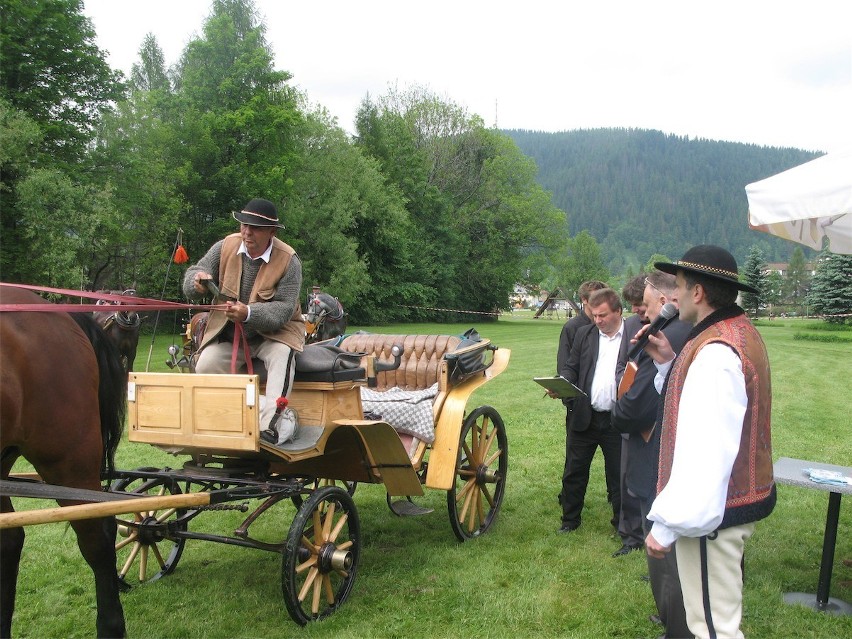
(635, 413)
(630, 520)
(566, 340)
(591, 367)
(581, 319)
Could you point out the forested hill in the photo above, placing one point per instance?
(641, 192)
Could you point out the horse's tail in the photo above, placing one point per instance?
(112, 389)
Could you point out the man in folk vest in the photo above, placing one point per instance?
(715, 474)
(262, 276)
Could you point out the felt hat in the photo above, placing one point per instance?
(710, 261)
(258, 212)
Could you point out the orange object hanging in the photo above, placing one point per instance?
(180, 255)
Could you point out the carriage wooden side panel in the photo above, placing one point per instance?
(219, 412)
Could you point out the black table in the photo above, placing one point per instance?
(792, 472)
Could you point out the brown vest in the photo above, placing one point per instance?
(230, 274)
(751, 489)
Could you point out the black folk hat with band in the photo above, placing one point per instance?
(258, 212)
(710, 261)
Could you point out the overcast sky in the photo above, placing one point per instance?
(771, 73)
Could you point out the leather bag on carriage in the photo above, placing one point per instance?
(466, 360)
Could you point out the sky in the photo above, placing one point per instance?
(771, 73)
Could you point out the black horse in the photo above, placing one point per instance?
(122, 327)
(325, 318)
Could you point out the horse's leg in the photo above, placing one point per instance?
(80, 468)
(11, 544)
(96, 539)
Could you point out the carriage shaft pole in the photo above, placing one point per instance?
(104, 509)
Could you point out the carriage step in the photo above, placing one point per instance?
(407, 508)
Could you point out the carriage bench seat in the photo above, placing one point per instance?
(429, 367)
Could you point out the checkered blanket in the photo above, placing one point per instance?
(407, 411)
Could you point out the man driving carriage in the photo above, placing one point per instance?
(260, 277)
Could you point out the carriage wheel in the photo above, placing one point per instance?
(477, 492)
(321, 557)
(144, 552)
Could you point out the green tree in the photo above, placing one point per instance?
(236, 122)
(656, 257)
(54, 87)
(477, 212)
(580, 261)
(796, 281)
(754, 274)
(774, 284)
(53, 71)
(351, 230)
(831, 288)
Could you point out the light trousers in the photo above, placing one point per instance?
(711, 578)
(280, 369)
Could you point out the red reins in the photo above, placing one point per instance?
(127, 302)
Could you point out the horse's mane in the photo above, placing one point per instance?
(112, 388)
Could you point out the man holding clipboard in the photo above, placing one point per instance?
(591, 368)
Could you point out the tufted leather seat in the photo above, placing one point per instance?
(421, 359)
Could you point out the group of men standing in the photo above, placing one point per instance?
(686, 444)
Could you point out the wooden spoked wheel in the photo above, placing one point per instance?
(321, 556)
(480, 480)
(144, 551)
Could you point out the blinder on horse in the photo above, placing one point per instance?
(325, 317)
(122, 327)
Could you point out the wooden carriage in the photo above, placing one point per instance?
(214, 419)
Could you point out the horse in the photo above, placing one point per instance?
(325, 318)
(62, 408)
(122, 327)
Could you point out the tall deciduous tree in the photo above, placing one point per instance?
(475, 207)
(351, 231)
(53, 77)
(53, 71)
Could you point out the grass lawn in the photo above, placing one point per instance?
(521, 579)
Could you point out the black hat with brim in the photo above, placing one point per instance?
(710, 261)
(258, 212)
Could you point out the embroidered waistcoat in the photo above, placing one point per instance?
(751, 488)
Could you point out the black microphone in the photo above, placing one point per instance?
(667, 314)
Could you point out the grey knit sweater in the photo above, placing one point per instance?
(265, 316)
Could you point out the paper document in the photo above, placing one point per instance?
(559, 385)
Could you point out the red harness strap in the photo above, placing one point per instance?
(240, 336)
(128, 302)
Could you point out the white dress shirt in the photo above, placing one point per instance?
(604, 388)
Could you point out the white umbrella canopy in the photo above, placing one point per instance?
(807, 203)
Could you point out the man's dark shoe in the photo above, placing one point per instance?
(566, 528)
(269, 436)
(625, 550)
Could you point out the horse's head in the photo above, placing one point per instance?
(128, 319)
(325, 317)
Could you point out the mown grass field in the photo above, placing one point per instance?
(521, 579)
